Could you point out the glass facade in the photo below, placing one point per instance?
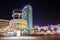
(28, 15)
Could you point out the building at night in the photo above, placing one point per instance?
(22, 21)
(4, 23)
(28, 15)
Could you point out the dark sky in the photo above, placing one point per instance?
(44, 11)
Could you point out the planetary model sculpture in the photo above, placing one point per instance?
(17, 14)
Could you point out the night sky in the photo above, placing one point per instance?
(44, 11)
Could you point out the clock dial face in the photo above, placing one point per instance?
(19, 24)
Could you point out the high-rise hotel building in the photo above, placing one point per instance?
(28, 16)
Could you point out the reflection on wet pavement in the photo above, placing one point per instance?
(41, 37)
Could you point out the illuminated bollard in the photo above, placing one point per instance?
(18, 33)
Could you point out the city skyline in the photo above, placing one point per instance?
(44, 12)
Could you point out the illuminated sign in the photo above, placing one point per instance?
(10, 33)
(21, 23)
